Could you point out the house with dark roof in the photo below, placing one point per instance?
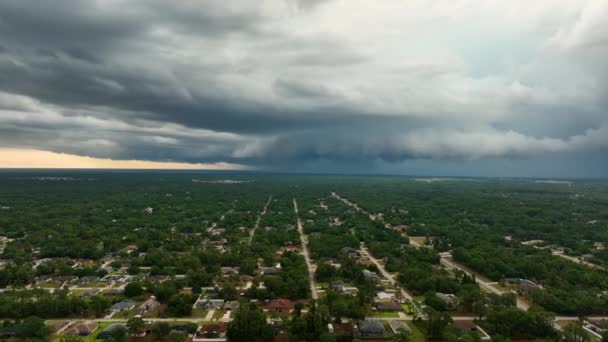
(122, 306)
(388, 306)
(371, 328)
(207, 303)
(82, 329)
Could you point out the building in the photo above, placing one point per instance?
(122, 306)
(207, 303)
(284, 306)
(113, 292)
(231, 306)
(471, 326)
(269, 270)
(388, 306)
(213, 330)
(82, 329)
(369, 275)
(371, 328)
(149, 305)
(351, 252)
(449, 299)
(523, 283)
(229, 271)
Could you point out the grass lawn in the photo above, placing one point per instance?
(97, 284)
(218, 314)
(417, 335)
(199, 313)
(77, 292)
(385, 314)
(50, 285)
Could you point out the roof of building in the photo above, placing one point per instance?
(82, 328)
(124, 305)
(280, 304)
(211, 328)
(388, 306)
(465, 325)
(371, 326)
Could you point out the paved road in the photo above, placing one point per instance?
(577, 260)
(257, 221)
(386, 275)
(311, 271)
(354, 205)
(521, 303)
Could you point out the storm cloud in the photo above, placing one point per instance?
(289, 82)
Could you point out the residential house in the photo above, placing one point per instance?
(284, 306)
(231, 305)
(523, 283)
(123, 306)
(113, 292)
(369, 275)
(112, 278)
(385, 295)
(472, 327)
(371, 328)
(149, 305)
(211, 331)
(388, 306)
(207, 303)
(82, 329)
(351, 252)
(86, 280)
(229, 271)
(338, 286)
(449, 299)
(269, 270)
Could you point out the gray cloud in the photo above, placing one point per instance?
(262, 84)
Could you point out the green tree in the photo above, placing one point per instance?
(33, 327)
(161, 330)
(249, 324)
(176, 336)
(135, 325)
(119, 334)
(133, 289)
(402, 335)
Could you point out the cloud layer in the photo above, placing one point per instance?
(286, 81)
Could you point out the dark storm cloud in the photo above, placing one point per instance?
(261, 83)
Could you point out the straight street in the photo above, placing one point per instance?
(311, 270)
(385, 273)
(257, 221)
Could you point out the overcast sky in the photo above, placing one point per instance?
(459, 87)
